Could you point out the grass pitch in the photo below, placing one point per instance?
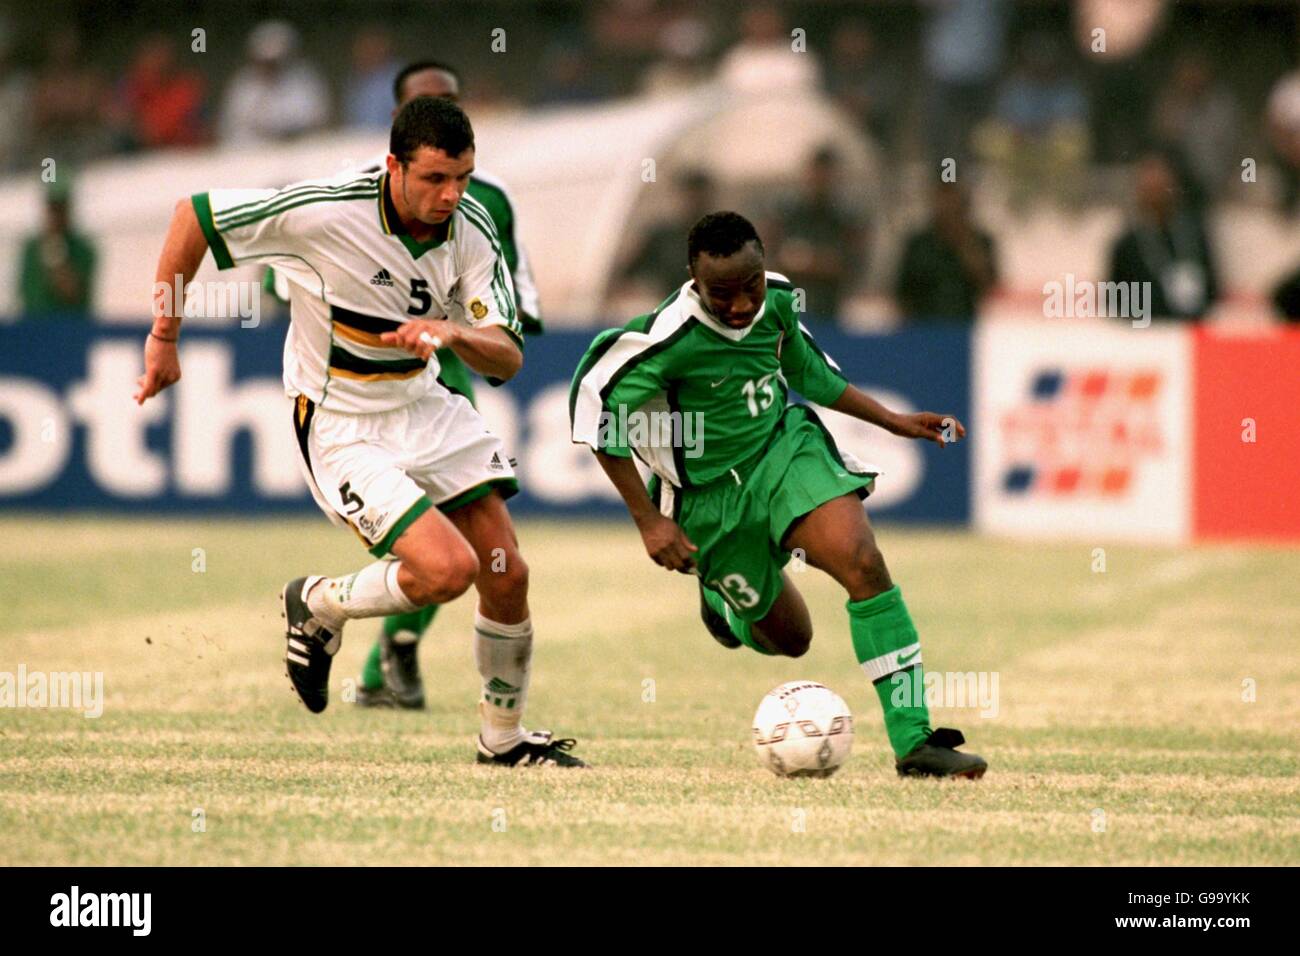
(1124, 734)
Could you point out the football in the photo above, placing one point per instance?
(803, 729)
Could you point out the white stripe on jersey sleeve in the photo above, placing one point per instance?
(588, 407)
(829, 361)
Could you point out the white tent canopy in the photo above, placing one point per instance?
(580, 178)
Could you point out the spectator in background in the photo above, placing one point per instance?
(367, 92)
(625, 34)
(1196, 117)
(277, 94)
(818, 242)
(1118, 77)
(70, 102)
(567, 77)
(158, 104)
(1039, 130)
(684, 42)
(1167, 245)
(15, 104)
(948, 266)
(864, 83)
(1286, 297)
(57, 271)
(765, 60)
(1284, 135)
(657, 263)
(964, 47)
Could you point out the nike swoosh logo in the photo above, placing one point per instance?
(903, 660)
(719, 381)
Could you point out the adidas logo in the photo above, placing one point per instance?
(495, 463)
(497, 686)
(382, 278)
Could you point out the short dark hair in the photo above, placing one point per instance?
(419, 66)
(430, 121)
(720, 234)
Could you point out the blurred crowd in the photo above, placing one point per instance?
(1016, 88)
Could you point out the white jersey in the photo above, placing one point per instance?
(505, 215)
(355, 273)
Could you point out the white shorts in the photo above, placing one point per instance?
(376, 473)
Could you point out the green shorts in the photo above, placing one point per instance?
(739, 521)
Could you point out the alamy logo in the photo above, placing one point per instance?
(103, 909)
(74, 690)
(382, 278)
(639, 428)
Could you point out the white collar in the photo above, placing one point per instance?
(696, 308)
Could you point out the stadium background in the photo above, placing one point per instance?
(1166, 456)
(614, 124)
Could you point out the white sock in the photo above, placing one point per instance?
(371, 592)
(503, 653)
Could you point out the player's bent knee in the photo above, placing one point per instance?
(790, 642)
(442, 577)
(505, 578)
(796, 645)
(868, 575)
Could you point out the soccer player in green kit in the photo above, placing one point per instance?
(763, 478)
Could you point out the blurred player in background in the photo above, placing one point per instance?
(387, 449)
(761, 478)
(391, 675)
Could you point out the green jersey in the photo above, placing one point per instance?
(692, 397)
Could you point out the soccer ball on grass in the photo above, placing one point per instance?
(803, 729)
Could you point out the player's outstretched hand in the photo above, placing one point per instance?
(421, 337)
(162, 367)
(668, 545)
(940, 429)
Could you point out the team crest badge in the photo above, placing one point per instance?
(477, 308)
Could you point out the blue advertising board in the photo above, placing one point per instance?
(220, 441)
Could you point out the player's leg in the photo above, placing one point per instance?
(785, 631)
(836, 537)
(503, 638)
(434, 564)
(349, 462)
(390, 676)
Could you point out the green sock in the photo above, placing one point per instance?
(372, 675)
(885, 642)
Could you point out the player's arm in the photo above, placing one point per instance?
(182, 252)
(237, 225)
(664, 541)
(491, 351)
(617, 373)
(932, 426)
(816, 376)
(495, 198)
(490, 340)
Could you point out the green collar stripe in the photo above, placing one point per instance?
(391, 224)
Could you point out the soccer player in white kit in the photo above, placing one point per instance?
(387, 268)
